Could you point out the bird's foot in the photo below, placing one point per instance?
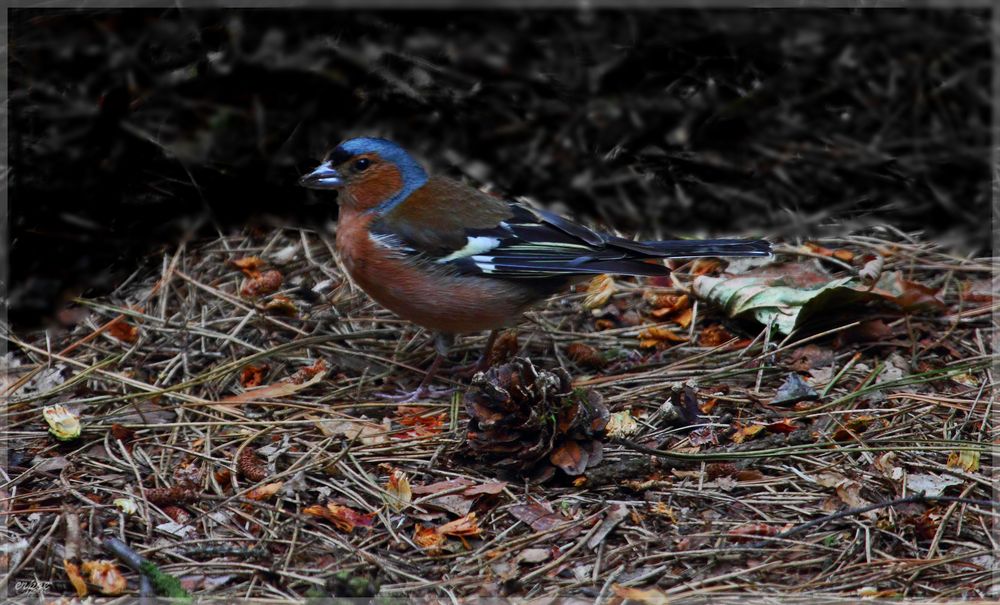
(423, 392)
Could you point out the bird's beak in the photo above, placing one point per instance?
(324, 177)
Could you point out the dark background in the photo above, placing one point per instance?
(131, 129)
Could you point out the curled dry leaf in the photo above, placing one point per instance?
(967, 460)
(282, 305)
(600, 290)
(249, 265)
(302, 379)
(342, 517)
(646, 596)
(265, 491)
(105, 575)
(872, 269)
(398, 492)
(656, 336)
(252, 376)
(714, 336)
(63, 424)
(123, 331)
(126, 505)
(536, 515)
(75, 578)
(432, 539)
(672, 307)
(423, 421)
(428, 538)
(266, 283)
(368, 433)
(621, 424)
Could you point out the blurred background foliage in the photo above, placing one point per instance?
(132, 129)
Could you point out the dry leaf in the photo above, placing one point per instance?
(714, 335)
(344, 518)
(428, 538)
(464, 526)
(249, 265)
(105, 575)
(267, 282)
(570, 457)
(302, 379)
(282, 305)
(252, 376)
(746, 432)
(63, 424)
(653, 336)
(600, 290)
(73, 573)
(650, 596)
(265, 491)
(123, 331)
(368, 433)
(398, 492)
(536, 515)
(930, 485)
(872, 270)
(423, 420)
(967, 460)
(621, 424)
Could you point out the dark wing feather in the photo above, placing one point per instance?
(450, 224)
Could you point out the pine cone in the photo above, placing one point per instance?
(531, 421)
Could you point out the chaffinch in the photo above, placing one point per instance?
(453, 259)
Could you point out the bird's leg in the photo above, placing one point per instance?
(486, 357)
(482, 364)
(442, 344)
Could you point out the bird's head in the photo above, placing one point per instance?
(373, 173)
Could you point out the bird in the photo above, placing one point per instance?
(449, 257)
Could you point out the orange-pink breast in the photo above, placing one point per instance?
(424, 294)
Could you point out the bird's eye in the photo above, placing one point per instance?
(362, 164)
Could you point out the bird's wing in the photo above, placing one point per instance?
(456, 226)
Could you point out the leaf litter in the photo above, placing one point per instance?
(528, 481)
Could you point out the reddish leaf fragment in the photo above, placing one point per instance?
(536, 515)
(267, 282)
(249, 265)
(252, 376)
(744, 533)
(343, 518)
(570, 457)
(123, 331)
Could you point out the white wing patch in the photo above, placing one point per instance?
(485, 263)
(475, 245)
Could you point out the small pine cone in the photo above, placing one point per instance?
(178, 514)
(250, 466)
(586, 356)
(171, 495)
(530, 421)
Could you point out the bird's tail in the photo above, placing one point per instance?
(703, 247)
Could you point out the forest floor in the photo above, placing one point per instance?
(237, 431)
